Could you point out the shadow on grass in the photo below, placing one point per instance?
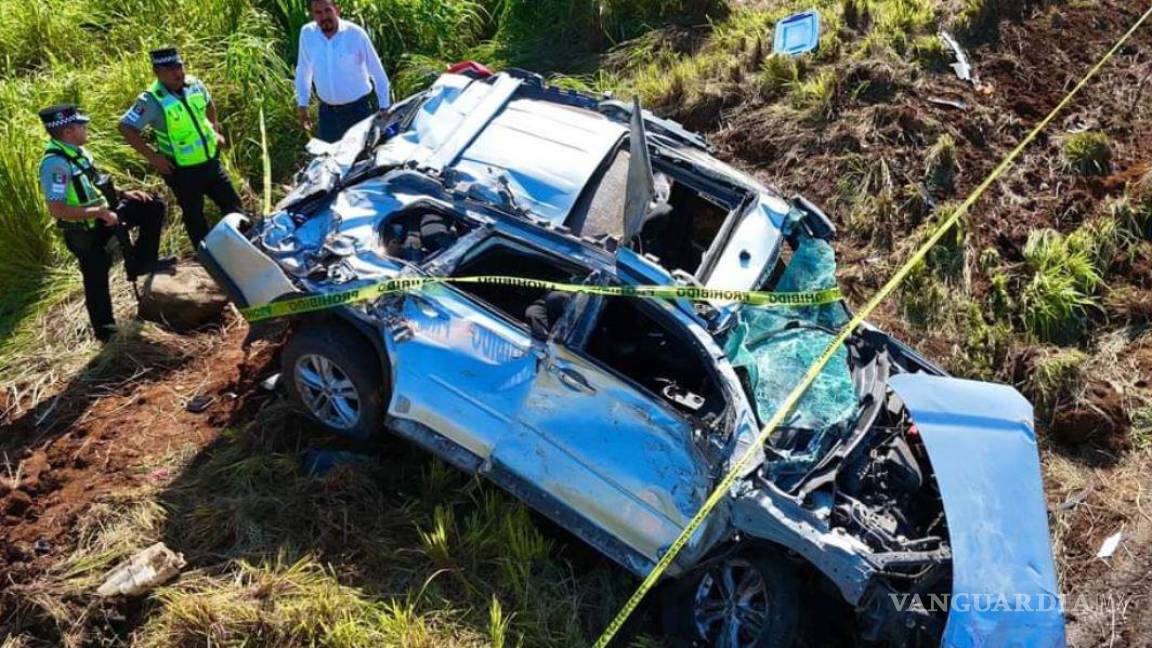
(391, 548)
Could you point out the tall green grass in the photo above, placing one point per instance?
(94, 52)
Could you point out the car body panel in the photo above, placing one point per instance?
(609, 451)
(546, 153)
(982, 445)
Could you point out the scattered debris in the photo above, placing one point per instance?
(271, 382)
(42, 547)
(199, 403)
(951, 103)
(797, 34)
(962, 68)
(1075, 499)
(142, 572)
(1108, 547)
(160, 475)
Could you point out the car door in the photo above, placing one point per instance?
(611, 452)
(458, 368)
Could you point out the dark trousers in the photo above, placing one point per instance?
(90, 246)
(334, 121)
(191, 184)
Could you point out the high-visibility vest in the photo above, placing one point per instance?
(187, 137)
(82, 192)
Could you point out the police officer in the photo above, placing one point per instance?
(90, 212)
(183, 120)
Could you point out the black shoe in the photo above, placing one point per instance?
(165, 264)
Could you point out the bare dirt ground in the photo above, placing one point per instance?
(113, 430)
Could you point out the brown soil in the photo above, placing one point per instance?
(107, 435)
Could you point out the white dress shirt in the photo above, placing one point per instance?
(340, 66)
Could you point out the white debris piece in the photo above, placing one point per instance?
(1108, 547)
(142, 572)
(961, 67)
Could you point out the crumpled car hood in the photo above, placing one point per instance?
(982, 446)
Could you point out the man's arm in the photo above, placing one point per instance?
(66, 212)
(141, 115)
(376, 71)
(303, 83)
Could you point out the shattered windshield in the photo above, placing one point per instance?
(775, 347)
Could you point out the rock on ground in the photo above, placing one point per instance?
(186, 299)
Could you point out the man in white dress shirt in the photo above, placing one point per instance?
(338, 58)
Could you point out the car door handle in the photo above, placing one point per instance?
(573, 380)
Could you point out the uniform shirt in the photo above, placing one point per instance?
(148, 112)
(341, 67)
(56, 175)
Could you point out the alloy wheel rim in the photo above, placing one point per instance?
(731, 605)
(327, 392)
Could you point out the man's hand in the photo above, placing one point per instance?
(160, 163)
(304, 118)
(221, 141)
(136, 195)
(108, 217)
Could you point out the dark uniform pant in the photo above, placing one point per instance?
(334, 121)
(90, 245)
(191, 184)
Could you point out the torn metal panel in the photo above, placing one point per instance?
(982, 446)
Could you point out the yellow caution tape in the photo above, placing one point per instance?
(794, 397)
(374, 291)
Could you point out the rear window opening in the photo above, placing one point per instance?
(678, 231)
(497, 257)
(630, 340)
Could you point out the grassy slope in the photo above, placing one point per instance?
(1038, 288)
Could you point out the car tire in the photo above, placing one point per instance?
(699, 611)
(334, 375)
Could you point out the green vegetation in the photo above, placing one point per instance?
(1057, 299)
(1088, 153)
(1056, 376)
(95, 53)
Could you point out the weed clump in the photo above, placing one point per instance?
(1088, 153)
(940, 165)
(1056, 301)
(1055, 376)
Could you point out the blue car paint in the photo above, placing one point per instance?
(982, 446)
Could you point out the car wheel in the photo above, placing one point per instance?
(333, 374)
(745, 600)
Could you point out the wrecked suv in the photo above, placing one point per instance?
(913, 496)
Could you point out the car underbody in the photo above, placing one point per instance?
(615, 417)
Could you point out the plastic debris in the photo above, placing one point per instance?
(1109, 546)
(270, 383)
(42, 546)
(951, 103)
(199, 403)
(143, 572)
(797, 34)
(321, 462)
(961, 67)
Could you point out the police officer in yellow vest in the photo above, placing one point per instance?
(89, 211)
(182, 117)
